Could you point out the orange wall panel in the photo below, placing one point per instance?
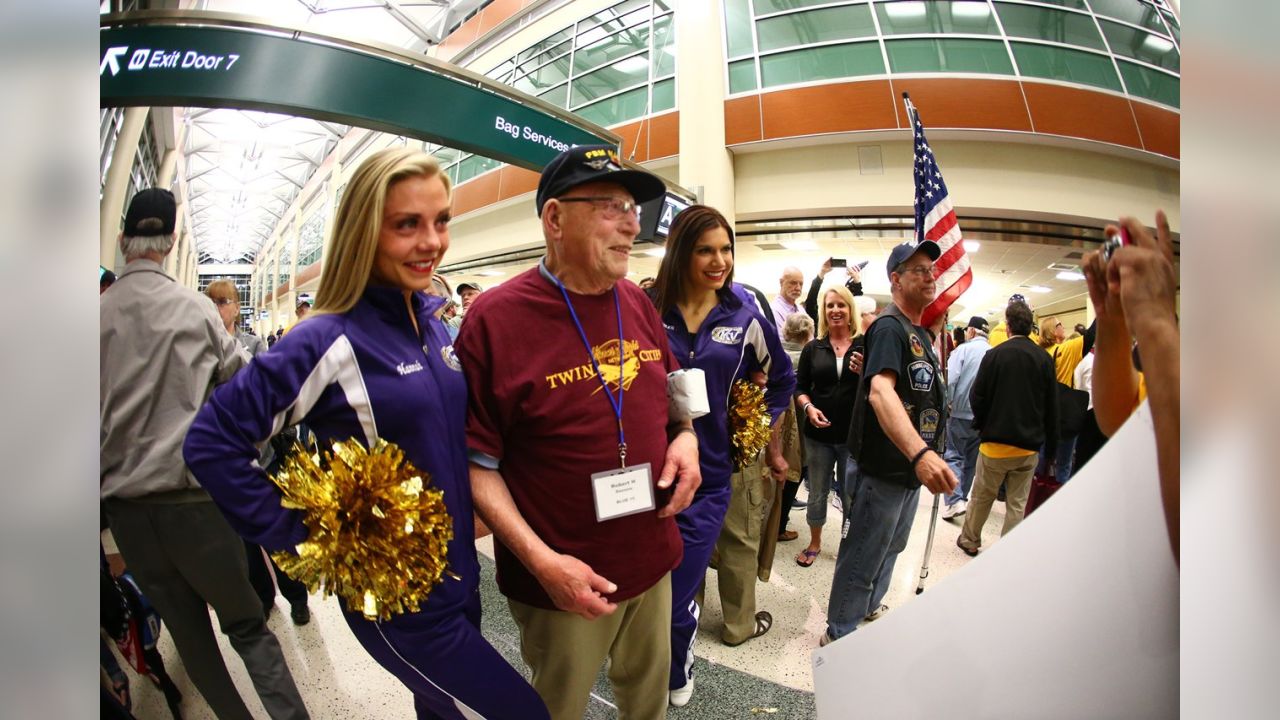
(513, 181)
(1161, 129)
(307, 274)
(635, 140)
(459, 39)
(476, 193)
(1082, 113)
(742, 120)
(664, 135)
(496, 12)
(843, 107)
(965, 103)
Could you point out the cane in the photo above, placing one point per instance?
(928, 548)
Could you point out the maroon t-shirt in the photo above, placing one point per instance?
(537, 406)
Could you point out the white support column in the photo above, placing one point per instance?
(117, 184)
(700, 90)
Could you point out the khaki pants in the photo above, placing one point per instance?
(1015, 473)
(738, 549)
(565, 652)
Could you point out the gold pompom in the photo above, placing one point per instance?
(378, 534)
(748, 422)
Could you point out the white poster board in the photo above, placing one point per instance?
(1072, 615)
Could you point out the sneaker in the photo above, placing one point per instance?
(825, 640)
(798, 503)
(954, 511)
(680, 696)
(301, 614)
(877, 613)
(835, 503)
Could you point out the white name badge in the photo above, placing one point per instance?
(623, 492)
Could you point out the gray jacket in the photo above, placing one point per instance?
(162, 350)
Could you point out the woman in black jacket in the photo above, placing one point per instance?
(826, 384)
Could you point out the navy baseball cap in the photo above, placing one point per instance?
(151, 212)
(900, 253)
(594, 163)
(977, 322)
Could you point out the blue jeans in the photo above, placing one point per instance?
(961, 455)
(879, 524)
(1061, 462)
(820, 457)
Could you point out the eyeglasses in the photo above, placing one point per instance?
(613, 207)
(221, 302)
(921, 270)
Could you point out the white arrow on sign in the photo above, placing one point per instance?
(109, 61)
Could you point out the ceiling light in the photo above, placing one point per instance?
(655, 252)
(970, 10)
(972, 246)
(490, 273)
(905, 9)
(1157, 44)
(1070, 275)
(1036, 288)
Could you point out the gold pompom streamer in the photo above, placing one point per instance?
(748, 422)
(378, 534)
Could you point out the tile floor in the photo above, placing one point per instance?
(766, 677)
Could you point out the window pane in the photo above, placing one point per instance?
(544, 77)
(610, 48)
(558, 96)
(664, 44)
(546, 44)
(617, 109)
(1045, 24)
(841, 23)
(822, 63)
(1077, 4)
(1151, 84)
(898, 18)
(764, 7)
(1139, 45)
(617, 17)
(737, 21)
(742, 76)
(611, 78)
(1069, 65)
(311, 237)
(474, 166)
(542, 57)
(976, 56)
(664, 95)
(1130, 11)
(1172, 24)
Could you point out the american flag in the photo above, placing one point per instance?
(936, 221)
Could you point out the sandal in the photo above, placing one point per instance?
(807, 556)
(764, 621)
(788, 536)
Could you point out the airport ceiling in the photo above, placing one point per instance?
(244, 168)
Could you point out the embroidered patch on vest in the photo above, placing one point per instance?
(921, 374)
(916, 348)
(929, 425)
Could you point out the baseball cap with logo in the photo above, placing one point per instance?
(151, 212)
(899, 254)
(594, 163)
(977, 322)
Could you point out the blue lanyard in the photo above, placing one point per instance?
(615, 404)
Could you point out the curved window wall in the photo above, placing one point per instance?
(1125, 46)
(612, 67)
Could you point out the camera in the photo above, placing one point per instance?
(1115, 242)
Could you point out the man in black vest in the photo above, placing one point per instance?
(897, 437)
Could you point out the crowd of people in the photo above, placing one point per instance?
(607, 504)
